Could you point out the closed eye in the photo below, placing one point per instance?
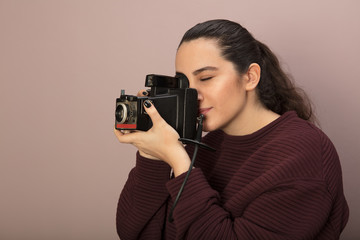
(205, 78)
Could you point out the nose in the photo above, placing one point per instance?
(200, 96)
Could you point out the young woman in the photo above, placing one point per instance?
(274, 175)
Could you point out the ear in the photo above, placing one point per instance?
(253, 76)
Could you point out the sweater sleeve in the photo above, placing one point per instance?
(142, 205)
(294, 209)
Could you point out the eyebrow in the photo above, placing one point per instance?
(200, 70)
(207, 68)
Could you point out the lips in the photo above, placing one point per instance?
(204, 111)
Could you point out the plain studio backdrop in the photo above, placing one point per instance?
(63, 64)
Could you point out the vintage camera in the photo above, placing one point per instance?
(172, 97)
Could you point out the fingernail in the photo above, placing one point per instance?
(147, 104)
(145, 93)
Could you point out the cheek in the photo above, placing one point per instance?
(228, 90)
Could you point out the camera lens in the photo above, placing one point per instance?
(121, 113)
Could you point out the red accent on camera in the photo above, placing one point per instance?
(127, 126)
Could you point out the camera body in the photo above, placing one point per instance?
(173, 99)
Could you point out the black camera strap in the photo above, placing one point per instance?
(197, 142)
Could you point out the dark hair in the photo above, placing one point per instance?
(275, 90)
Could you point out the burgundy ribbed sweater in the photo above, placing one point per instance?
(281, 182)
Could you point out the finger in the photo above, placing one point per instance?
(152, 112)
(126, 137)
(142, 93)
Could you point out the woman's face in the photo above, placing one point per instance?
(221, 91)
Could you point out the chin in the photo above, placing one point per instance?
(205, 130)
(208, 127)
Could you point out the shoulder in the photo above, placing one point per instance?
(297, 146)
(297, 133)
(304, 135)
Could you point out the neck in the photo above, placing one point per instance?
(252, 118)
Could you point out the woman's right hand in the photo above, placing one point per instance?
(160, 142)
(119, 134)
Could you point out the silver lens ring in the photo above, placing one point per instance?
(124, 113)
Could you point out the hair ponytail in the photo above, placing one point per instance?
(275, 90)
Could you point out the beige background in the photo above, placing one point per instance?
(63, 63)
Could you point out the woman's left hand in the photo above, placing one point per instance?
(158, 143)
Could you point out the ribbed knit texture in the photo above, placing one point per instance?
(281, 182)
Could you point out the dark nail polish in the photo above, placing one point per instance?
(147, 104)
(145, 93)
